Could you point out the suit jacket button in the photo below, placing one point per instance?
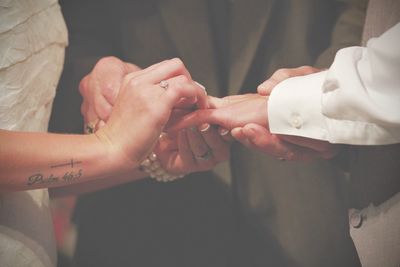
(356, 219)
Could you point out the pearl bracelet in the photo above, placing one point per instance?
(152, 166)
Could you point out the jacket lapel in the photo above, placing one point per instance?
(186, 22)
(249, 21)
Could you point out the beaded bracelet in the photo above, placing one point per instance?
(152, 166)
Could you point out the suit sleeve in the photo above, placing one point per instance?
(357, 101)
(347, 30)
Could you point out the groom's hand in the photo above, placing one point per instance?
(246, 116)
(285, 147)
(100, 88)
(259, 138)
(280, 75)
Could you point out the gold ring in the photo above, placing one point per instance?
(90, 127)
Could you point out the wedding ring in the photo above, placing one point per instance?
(90, 127)
(164, 84)
(206, 156)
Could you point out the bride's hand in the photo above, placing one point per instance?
(143, 107)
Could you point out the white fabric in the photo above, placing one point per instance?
(357, 101)
(33, 37)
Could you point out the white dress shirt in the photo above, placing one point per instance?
(357, 101)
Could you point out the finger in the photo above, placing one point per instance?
(214, 141)
(197, 144)
(184, 151)
(187, 103)
(88, 113)
(168, 142)
(238, 135)
(176, 115)
(195, 118)
(280, 75)
(180, 87)
(266, 87)
(106, 78)
(163, 71)
(83, 85)
(135, 74)
(102, 107)
(225, 134)
(129, 67)
(215, 102)
(167, 151)
(261, 139)
(99, 125)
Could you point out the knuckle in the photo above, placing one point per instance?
(181, 80)
(105, 61)
(134, 82)
(83, 87)
(306, 69)
(281, 71)
(284, 73)
(127, 78)
(178, 63)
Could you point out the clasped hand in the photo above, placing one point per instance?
(195, 127)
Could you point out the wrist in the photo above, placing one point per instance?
(263, 111)
(111, 153)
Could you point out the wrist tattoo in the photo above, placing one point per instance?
(68, 176)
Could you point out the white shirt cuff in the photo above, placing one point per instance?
(294, 107)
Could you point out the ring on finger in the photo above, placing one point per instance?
(164, 84)
(90, 127)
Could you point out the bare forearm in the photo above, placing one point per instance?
(42, 160)
(100, 184)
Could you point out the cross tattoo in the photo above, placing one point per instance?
(71, 163)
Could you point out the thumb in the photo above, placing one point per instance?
(256, 134)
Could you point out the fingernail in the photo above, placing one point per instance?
(236, 131)
(202, 87)
(223, 131)
(204, 127)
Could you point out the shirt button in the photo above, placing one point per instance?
(296, 121)
(356, 219)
